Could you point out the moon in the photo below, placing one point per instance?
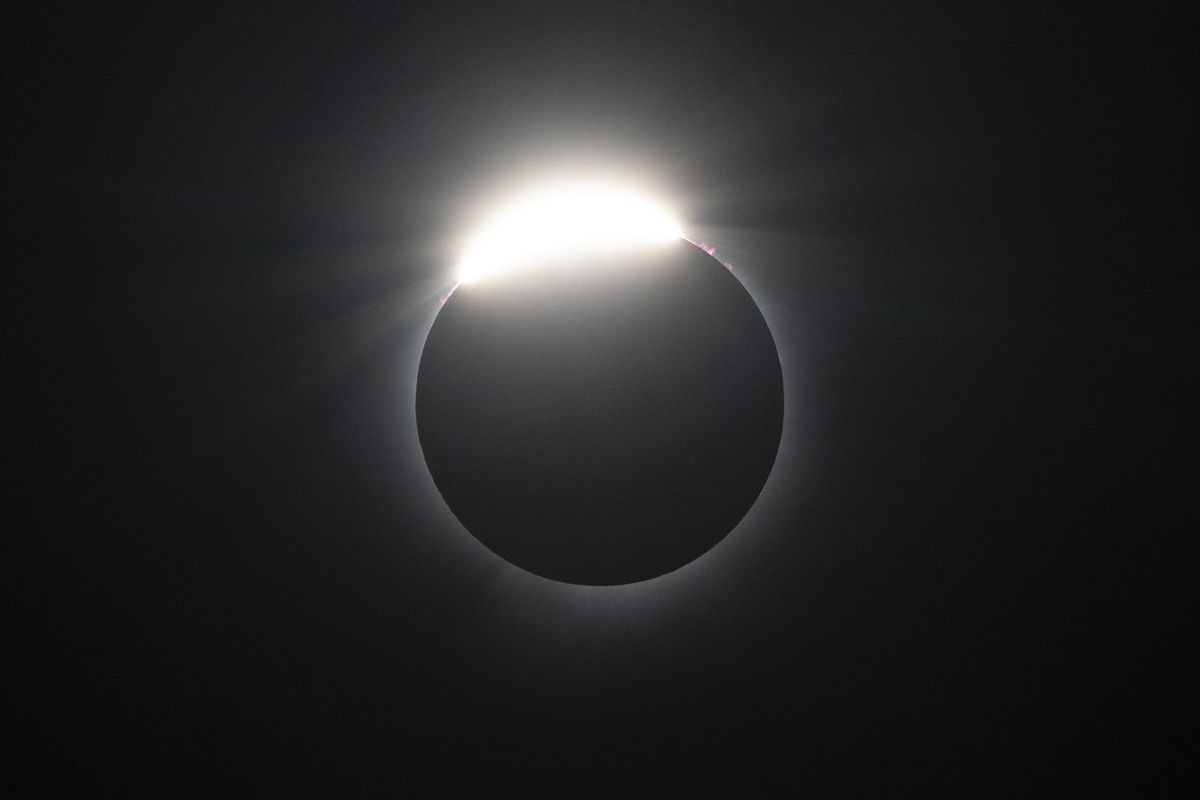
(603, 420)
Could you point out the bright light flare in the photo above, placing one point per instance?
(558, 220)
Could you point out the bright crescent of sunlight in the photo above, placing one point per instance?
(545, 224)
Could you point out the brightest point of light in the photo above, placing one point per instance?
(545, 225)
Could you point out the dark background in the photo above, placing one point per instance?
(971, 573)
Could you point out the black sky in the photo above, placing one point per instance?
(971, 573)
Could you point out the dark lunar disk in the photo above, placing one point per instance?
(606, 421)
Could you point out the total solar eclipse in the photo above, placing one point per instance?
(599, 401)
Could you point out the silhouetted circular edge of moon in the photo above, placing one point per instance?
(604, 422)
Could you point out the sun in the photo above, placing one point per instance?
(549, 223)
